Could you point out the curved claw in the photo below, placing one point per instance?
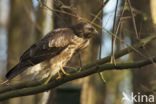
(65, 73)
(47, 81)
(59, 76)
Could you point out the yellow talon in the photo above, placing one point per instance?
(65, 73)
(47, 81)
(59, 76)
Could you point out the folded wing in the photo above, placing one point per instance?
(48, 47)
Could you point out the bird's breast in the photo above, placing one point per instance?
(63, 57)
(75, 44)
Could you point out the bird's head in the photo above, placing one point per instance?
(84, 30)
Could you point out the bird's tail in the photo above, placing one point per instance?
(17, 70)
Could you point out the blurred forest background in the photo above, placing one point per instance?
(23, 22)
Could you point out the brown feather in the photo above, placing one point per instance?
(59, 46)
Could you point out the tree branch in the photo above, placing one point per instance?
(34, 87)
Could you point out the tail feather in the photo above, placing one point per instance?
(19, 68)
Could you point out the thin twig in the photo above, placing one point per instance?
(116, 32)
(113, 42)
(133, 19)
(137, 51)
(99, 12)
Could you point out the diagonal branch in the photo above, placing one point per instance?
(75, 75)
(34, 87)
(120, 53)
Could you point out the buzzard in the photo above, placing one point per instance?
(58, 45)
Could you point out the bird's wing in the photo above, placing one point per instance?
(49, 46)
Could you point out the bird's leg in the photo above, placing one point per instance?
(65, 73)
(49, 77)
(59, 76)
(80, 60)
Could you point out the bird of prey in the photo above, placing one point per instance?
(58, 45)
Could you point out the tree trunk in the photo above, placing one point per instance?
(19, 36)
(143, 77)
